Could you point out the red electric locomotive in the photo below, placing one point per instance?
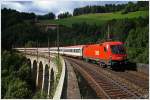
(107, 53)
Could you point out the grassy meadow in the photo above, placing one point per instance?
(99, 18)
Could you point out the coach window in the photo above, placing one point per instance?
(78, 50)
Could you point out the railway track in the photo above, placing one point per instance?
(136, 81)
(137, 86)
(134, 78)
(107, 83)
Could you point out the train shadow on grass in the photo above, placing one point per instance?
(124, 67)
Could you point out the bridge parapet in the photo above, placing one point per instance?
(59, 88)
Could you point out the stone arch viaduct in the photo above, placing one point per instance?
(44, 70)
(43, 73)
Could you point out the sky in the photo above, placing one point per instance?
(41, 7)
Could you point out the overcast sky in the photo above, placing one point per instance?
(41, 7)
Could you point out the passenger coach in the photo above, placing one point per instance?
(75, 51)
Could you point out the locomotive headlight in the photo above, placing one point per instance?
(125, 57)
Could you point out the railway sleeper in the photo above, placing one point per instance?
(119, 94)
(111, 90)
(109, 86)
(121, 97)
(102, 83)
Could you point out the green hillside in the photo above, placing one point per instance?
(99, 19)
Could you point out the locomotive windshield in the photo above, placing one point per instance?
(117, 49)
